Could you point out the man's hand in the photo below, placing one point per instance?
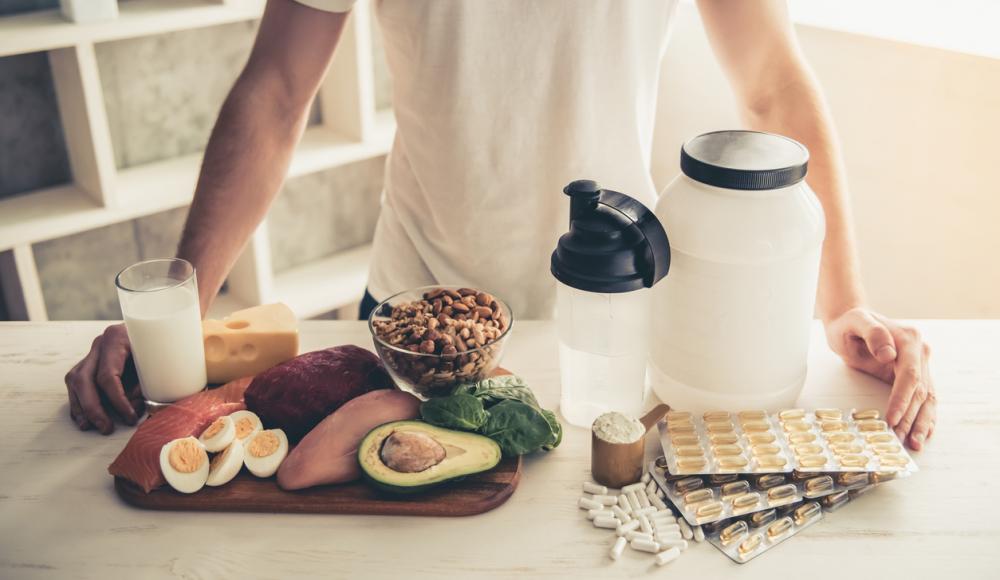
(896, 354)
(96, 387)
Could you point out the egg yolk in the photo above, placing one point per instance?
(214, 428)
(220, 458)
(264, 444)
(244, 427)
(186, 456)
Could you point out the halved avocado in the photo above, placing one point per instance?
(411, 456)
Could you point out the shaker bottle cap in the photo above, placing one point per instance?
(750, 160)
(615, 244)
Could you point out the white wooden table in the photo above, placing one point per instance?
(60, 517)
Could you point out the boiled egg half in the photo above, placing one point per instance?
(224, 466)
(184, 463)
(247, 423)
(265, 451)
(218, 435)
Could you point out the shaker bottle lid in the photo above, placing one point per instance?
(614, 244)
(744, 160)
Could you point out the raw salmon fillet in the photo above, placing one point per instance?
(139, 461)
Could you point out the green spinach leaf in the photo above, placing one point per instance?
(517, 427)
(500, 388)
(462, 412)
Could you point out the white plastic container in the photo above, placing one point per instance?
(731, 322)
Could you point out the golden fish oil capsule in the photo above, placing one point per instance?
(769, 480)
(795, 438)
(749, 545)
(818, 485)
(727, 450)
(771, 462)
(829, 414)
(688, 451)
(680, 427)
(697, 496)
(679, 416)
(745, 501)
(839, 437)
(846, 448)
(724, 438)
(712, 416)
(722, 478)
(830, 426)
(883, 448)
(880, 438)
(732, 462)
(808, 449)
(733, 532)
(687, 484)
(870, 425)
(758, 438)
(852, 478)
(684, 439)
(854, 460)
(792, 414)
(781, 493)
(756, 426)
(752, 415)
(866, 414)
(802, 475)
(708, 510)
(765, 449)
(779, 528)
(720, 427)
(758, 519)
(734, 488)
(806, 513)
(812, 461)
(796, 426)
(893, 460)
(834, 500)
(883, 476)
(690, 464)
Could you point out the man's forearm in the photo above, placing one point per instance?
(799, 111)
(244, 165)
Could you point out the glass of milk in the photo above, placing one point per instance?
(159, 300)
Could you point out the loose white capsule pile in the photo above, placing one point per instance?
(640, 519)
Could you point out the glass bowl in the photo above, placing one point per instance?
(429, 347)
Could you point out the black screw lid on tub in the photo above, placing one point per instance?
(744, 160)
(614, 244)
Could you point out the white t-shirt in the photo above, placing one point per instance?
(499, 104)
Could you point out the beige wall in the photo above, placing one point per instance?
(919, 128)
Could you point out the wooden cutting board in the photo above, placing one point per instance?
(472, 495)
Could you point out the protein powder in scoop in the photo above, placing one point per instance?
(615, 427)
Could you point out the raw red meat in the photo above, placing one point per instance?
(139, 461)
(296, 395)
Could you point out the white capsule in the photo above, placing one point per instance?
(633, 487)
(633, 500)
(591, 514)
(646, 511)
(622, 516)
(644, 525)
(656, 501)
(618, 548)
(668, 528)
(624, 504)
(667, 544)
(667, 556)
(686, 532)
(644, 546)
(622, 529)
(610, 523)
(637, 535)
(589, 487)
(663, 520)
(643, 499)
(645, 478)
(666, 535)
(699, 534)
(608, 500)
(586, 503)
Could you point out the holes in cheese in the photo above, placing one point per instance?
(249, 341)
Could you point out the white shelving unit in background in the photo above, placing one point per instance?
(101, 194)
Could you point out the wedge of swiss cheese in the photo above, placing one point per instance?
(249, 341)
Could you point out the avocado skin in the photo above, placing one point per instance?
(382, 481)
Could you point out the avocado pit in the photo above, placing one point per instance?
(411, 452)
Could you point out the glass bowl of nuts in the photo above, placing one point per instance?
(436, 337)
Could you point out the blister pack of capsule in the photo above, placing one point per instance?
(755, 441)
(709, 498)
(746, 537)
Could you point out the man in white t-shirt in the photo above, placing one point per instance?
(499, 104)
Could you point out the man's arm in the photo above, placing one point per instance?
(252, 143)
(756, 45)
